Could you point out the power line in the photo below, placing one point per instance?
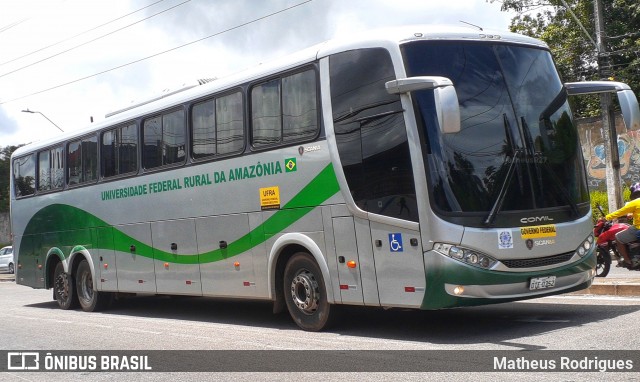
(93, 40)
(157, 54)
(77, 35)
(7, 27)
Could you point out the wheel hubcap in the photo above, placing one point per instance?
(305, 292)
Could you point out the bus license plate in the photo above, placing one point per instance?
(542, 282)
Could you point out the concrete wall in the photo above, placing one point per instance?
(5, 230)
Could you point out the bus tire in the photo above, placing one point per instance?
(90, 299)
(64, 288)
(305, 293)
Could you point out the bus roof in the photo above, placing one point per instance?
(379, 37)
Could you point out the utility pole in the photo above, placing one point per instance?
(612, 172)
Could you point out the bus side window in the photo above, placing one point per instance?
(218, 126)
(119, 151)
(284, 109)
(24, 175)
(266, 114)
(164, 139)
(82, 161)
(229, 124)
(51, 170)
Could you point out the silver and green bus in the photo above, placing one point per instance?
(417, 167)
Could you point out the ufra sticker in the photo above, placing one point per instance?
(270, 198)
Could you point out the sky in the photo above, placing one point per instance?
(73, 60)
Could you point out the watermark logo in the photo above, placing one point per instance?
(23, 361)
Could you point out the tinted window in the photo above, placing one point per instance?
(24, 175)
(266, 116)
(203, 124)
(218, 126)
(284, 109)
(119, 148)
(229, 124)
(50, 169)
(299, 107)
(370, 133)
(82, 161)
(164, 139)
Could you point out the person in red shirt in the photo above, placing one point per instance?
(631, 234)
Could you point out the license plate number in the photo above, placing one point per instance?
(542, 282)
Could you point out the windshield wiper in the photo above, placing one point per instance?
(515, 158)
(497, 205)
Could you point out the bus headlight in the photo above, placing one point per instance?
(586, 245)
(465, 255)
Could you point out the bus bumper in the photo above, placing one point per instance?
(451, 283)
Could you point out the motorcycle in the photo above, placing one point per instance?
(605, 233)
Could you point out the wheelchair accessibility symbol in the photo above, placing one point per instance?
(395, 242)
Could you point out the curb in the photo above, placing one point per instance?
(614, 287)
(7, 278)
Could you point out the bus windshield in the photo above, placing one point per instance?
(518, 146)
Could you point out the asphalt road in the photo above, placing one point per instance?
(32, 321)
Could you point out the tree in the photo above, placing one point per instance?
(5, 173)
(576, 56)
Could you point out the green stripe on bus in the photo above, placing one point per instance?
(69, 224)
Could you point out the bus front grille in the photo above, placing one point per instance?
(538, 262)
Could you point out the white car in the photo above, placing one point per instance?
(6, 259)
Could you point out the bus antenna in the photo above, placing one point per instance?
(473, 25)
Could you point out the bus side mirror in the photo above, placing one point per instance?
(446, 98)
(626, 98)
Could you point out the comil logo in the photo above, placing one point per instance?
(23, 361)
(536, 219)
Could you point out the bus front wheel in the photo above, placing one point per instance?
(90, 299)
(64, 288)
(305, 293)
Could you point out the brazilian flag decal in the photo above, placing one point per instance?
(290, 165)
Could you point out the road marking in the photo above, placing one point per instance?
(134, 330)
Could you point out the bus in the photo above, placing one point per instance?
(417, 167)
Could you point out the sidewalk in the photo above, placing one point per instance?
(612, 286)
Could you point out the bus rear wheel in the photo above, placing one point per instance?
(90, 299)
(64, 288)
(305, 293)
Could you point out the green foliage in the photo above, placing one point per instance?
(5, 173)
(600, 198)
(575, 55)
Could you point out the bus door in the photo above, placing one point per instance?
(135, 267)
(399, 265)
(175, 257)
(372, 143)
(105, 263)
